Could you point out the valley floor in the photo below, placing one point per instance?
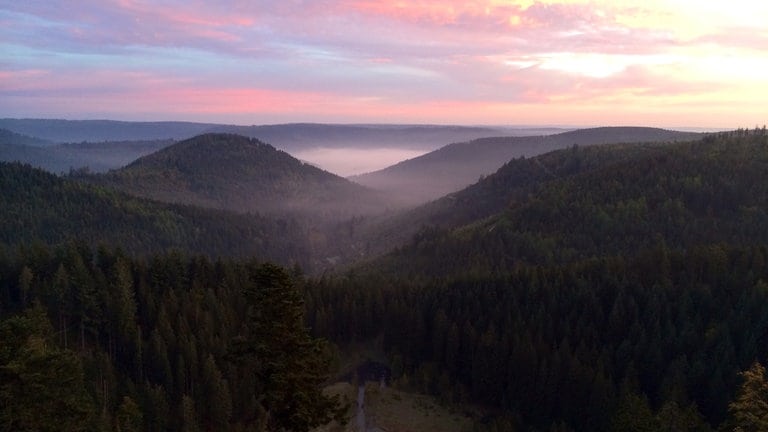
(387, 409)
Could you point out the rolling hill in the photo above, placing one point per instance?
(245, 175)
(580, 202)
(38, 206)
(621, 287)
(459, 165)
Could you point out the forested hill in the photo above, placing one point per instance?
(621, 288)
(515, 180)
(38, 206)
(244, 175)
(459, 165)
(97, 340)
(595, 201)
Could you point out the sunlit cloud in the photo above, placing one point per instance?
(481, 61)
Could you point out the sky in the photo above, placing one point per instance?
(668, 63)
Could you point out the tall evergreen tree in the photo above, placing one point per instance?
(41, 387)
(290, 364)
(750, 409)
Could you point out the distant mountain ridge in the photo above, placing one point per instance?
(298, 136)
(242, 174)
(459, 165)
(290, 137)
(61, 158)
(68, 131)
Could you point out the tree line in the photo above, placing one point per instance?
(97, 340)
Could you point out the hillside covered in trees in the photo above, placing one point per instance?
(39, 207)
(456, 166)
(595, 288)
(99, 341)
(244, 175)
(624, 290)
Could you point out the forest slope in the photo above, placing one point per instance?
(242, 174)
(625, 290)
(608, 200)
(459, 165)
(515, 180)
(38, 206)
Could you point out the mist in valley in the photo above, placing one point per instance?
(383, 216)
(349, 161)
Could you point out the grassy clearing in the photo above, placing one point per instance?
(348, 394)
(392, 410)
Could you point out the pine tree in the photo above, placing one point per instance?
(634, 415)
(290, 365)
(41, 387)
(750, 409)
(129, 416)
(218, 409)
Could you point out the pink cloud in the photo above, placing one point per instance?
(20, 80)
(361, 59)
(126, 23)
(200, 16)
(755, 39)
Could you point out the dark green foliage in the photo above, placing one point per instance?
(556, 342)
(749, 410)
(456, 166)
(634, 415)
(621, 288)
(600, 200)
(515, 181)
(153, 354)
(41, 385)
(38, 206)
(129, 416)
(241, 174)
(618, 288)
(673, 418)
(291, 366)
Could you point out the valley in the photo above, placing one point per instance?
(593, 280)
(383, 216)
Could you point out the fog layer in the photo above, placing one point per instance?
(347, 161)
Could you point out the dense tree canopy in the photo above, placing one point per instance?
(617, 288)
(40, 207)
(625, 289)
(113, 342)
